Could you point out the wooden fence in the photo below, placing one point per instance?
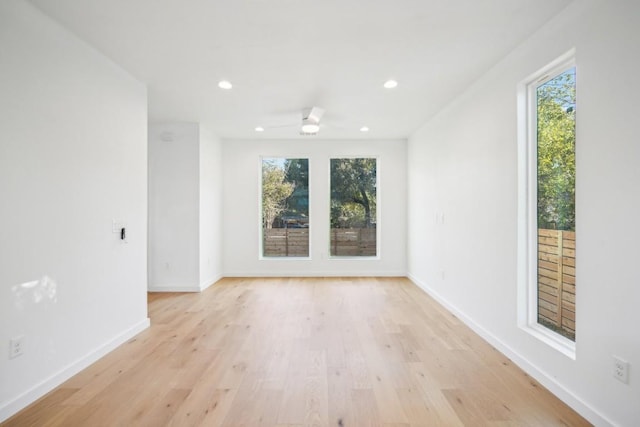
(286, 242)
(557, 281)
(294, 242)
(353, 242)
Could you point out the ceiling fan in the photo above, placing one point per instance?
(309, 125)
(311, 120)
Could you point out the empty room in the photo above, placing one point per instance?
(335, 213)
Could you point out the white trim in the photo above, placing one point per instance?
(207, 283)
(260, 224)
(286, 258)
(318, 273)
(547, 380)
(174, 288)
(11, 407)
(378, 210)
(527, 206)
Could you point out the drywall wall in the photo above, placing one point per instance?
(174, 204)
(463, 200)
(72, 159)
(241, 202)
(185, 214)
(210, 208)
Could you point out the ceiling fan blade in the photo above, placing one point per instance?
(281, 126)
(314, 115)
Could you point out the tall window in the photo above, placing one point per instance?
(285, 207)
(550, 206)
(556, 210)
(353, 207)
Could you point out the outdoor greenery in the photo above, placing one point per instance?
(556, 170)
(556, 152)
(353, 193)
(285, 184)
(285, 193)
(275, 191)
(297, 172)
(296, 213)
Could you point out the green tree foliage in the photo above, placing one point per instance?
(556, 152)
(353, 192)
(297, 172)
(275, 191)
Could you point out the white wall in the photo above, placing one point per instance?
(185, 188)
(241, 165)
(72, 159)
(210, 208)
(463, 164)
(174, 204)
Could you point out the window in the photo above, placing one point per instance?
(353, 207)
(547, 197)
(285, 207)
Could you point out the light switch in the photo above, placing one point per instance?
(119, 227)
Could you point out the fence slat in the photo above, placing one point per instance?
(282, 242)
(353, 241)
(286, 242)
(556, 280)
(559, 278)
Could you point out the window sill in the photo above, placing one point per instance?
(552, 339)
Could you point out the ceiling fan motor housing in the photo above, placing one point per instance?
(311, 120)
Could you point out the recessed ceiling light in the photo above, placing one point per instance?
(364, 129)
(225, 84)
(259, 129)
(390, 84)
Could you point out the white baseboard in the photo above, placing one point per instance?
(322, 273)
(174, 288)
(11, 407)
(560, 391)
(206, 283)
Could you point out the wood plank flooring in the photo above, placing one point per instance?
(301, 352)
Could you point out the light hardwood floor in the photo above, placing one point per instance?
(299, 352)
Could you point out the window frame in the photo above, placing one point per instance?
(377, 256)
(528, 202)
(261, 256)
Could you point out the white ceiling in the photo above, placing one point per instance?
(285, 55)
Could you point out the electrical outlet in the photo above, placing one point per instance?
(16, 347)
(621, 370)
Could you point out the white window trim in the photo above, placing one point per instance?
(261, 256)
(527, 206)
(378, 212)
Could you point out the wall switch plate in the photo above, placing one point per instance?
(16, 347)
(621, 370)
(118, 225)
